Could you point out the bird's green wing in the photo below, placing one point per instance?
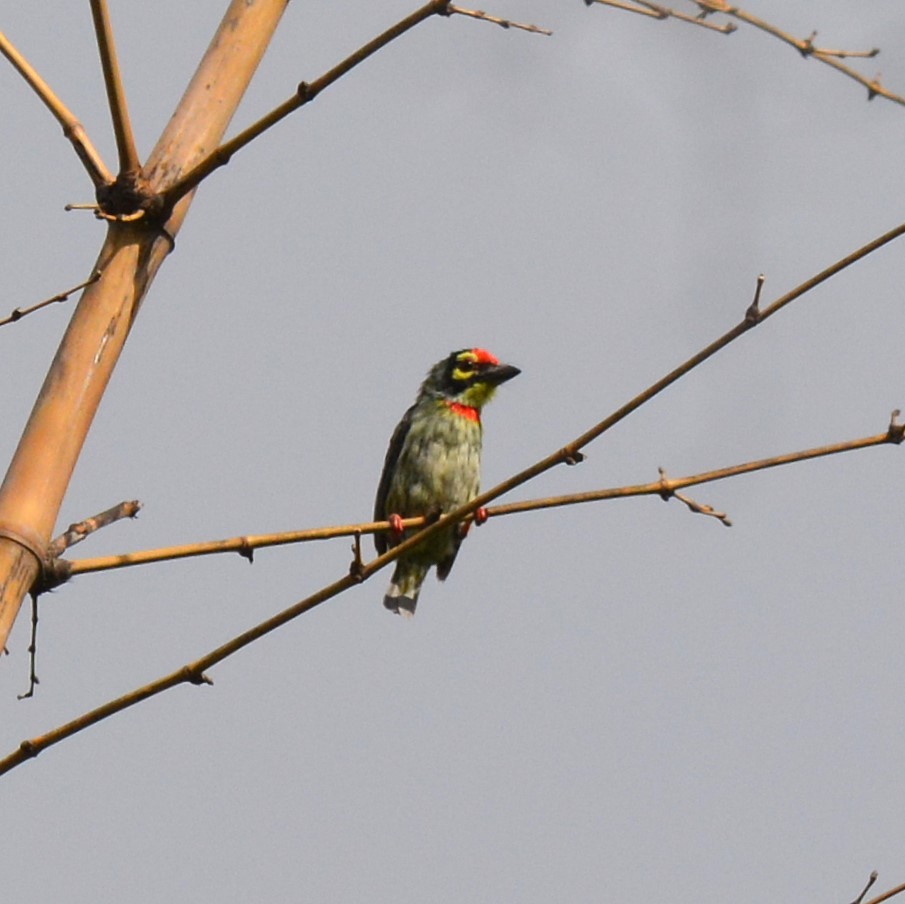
(394, 450)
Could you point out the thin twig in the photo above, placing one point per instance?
(806, 48)
(77, 532)
(496, 20)
(116, 96)
(668, 491)
(870, 881)
(893, 435)
(32, 651)
(810, 47)
(72, 128)
(243, 546)
(665, 487)
(657, 11)
(305, 93)
(19, 313)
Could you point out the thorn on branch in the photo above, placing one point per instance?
(193, 676)
(870, 881)
(896, 433)
(753, 314)
(667, 492)
(572, 456)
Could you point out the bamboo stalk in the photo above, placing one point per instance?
(33, 489)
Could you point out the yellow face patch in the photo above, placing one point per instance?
(466, 369)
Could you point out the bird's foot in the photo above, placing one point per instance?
(396, 529)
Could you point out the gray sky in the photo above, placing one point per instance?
(615, 701)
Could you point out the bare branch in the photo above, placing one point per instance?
(192, 673)
(840, 54)
(667, 492)
(32, 651)
(72, 128)
(19, 313)
(504, 23)
(664, 487)
(656, 11)
(887, 894)
(116, 97)
(75, 533)
(669, 486)
(305, 93)
(243, 546)
(805, 46)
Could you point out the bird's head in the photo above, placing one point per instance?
(468, 377)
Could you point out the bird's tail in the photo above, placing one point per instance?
(402, 594)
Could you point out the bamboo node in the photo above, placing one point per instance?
(27, 538)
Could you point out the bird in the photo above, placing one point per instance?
(433, 465)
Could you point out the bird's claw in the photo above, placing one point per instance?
(396, 528)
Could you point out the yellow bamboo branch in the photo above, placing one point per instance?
(667, 487)
(32, 491)
(116, 96)
(664, 487)
(72, 128)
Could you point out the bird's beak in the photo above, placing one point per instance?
(499, 373)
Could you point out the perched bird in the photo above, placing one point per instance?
(433, 465)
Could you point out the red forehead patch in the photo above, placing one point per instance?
(482, 356)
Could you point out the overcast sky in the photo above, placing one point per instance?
(616, 701)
